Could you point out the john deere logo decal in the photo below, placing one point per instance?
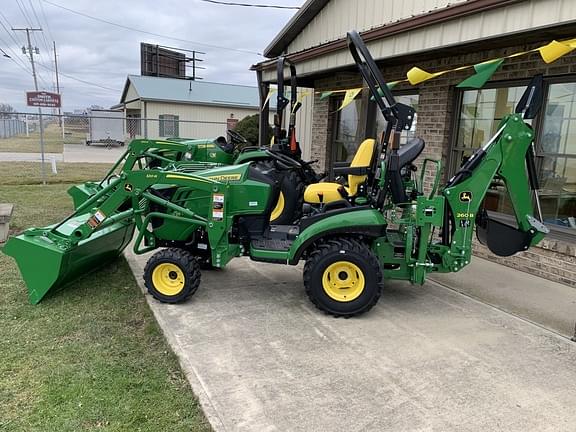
(128, 187)
(225, 177)
(466, 196)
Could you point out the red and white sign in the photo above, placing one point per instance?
(43, 99)
(231, 123)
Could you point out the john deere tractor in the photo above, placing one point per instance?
(281, 159)
(398, 232)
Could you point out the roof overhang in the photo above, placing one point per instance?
(296, 24)
(333, 56)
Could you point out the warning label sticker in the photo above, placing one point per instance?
(218, 198)
(99, 215)
(217, 215)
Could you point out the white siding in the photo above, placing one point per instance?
(524, 16)
(303, 122)
(195, 121)
(131, 95)
(341, 16)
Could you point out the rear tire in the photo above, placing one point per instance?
(288, 207)
(343, 277)
(172, 275)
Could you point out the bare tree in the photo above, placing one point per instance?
(6, 110)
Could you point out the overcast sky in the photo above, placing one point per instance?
(104, 54)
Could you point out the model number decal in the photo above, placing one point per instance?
(465, 215)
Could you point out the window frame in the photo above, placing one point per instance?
(162, 120)
(367, 118)
(556, 232)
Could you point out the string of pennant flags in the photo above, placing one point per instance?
(482, 73)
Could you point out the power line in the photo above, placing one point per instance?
(79, 80)
(149, 33)
(44, 40)
(43, 36)
(16, 42)
(46, 20)
(250, 5)
(16, 59)
(27, 18)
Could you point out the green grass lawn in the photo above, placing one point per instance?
(53, 141)
(90, 357)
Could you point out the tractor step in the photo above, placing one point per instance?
(288, 232)
(271, 244)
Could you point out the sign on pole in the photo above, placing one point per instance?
(43, 99)
(231, 123)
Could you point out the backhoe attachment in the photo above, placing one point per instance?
(509, 157)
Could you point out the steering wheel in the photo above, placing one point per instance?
(236, 138)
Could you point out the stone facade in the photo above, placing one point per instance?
(552, 259)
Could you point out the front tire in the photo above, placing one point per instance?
(172, 275)
(343, 277)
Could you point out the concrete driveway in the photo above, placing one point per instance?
(75, 153)
(261, 358)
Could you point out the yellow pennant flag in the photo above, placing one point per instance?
(554, 50)
(270, 93)
(417, 75)
(302, 95)
(349, 97)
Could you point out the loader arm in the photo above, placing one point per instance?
(103, 226)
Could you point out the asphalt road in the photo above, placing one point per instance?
(260, 358)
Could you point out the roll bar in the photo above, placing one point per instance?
(401, 114)
(281, 100)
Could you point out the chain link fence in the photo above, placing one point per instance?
(10, 127)
(20, 132)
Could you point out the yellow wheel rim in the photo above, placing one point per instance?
(343, 281)
(279, 209)
(168, 279)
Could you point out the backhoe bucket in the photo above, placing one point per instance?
(46, 265)
(502, 239)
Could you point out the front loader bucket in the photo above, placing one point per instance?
(46, 266)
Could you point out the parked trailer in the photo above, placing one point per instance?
(106, 127)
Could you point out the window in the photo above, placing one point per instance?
(349, 132)
(480, 112)
(168, 125)
(407, 99)
(556, 156)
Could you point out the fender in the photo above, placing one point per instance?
(363, 221)
(252, 155)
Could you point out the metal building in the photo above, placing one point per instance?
(158, 107)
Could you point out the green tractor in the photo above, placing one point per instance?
(349, 251)
(283, 158)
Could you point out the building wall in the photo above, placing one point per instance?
(131, 95)
(195, 121)
(340, 16)
(553, 259)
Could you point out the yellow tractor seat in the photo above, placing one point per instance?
(357, 173)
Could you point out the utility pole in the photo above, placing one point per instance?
(31, 52)
(58, 90)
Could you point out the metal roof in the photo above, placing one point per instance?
(175, 90)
